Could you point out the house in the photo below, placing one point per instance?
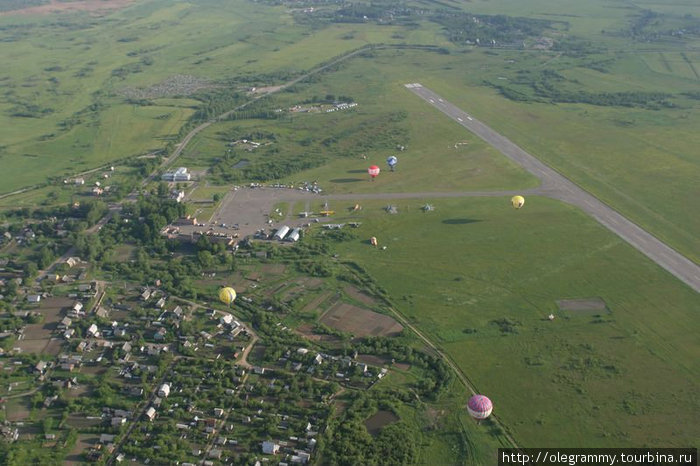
(151, 413)
(69, 333)
(93, 331)
(270, 448)
(145, 295)
(227, 319)
(164, 390)
(161, 303)
(77, 307)
(102, 312)
(215, 453)
(318, 359)
(178, 196)
(107, 438)
(126, 347)
(79, 181)
(81, 346)
(72, 261)
(160, 334)
(34, 298)
(118, 421)
(218, 412)
(177, 311)
(65, 322)
(41, 366)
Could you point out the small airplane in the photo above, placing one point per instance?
(326, 213)
(428, 208)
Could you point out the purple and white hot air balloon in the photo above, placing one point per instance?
(479, 407)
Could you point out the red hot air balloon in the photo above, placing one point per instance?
(373, 171)
(479, 407)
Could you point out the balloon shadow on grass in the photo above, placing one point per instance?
(346, 180)
(459, 221)
(358, 171)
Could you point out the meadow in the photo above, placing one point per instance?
(68, 84)
(65, 105)
(481, 278)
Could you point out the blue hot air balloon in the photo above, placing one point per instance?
(392, 161)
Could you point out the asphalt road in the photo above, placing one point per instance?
(557, 186)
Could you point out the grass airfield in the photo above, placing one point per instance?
(480, 279)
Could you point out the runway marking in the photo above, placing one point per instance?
(459, 119)
(470, 118)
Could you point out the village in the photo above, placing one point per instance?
(138, 373)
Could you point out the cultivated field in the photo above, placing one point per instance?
(360, 322)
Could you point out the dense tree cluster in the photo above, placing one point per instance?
(349, 442)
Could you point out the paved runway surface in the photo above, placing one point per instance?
(559, 187)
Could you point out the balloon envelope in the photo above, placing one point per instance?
(479, 407)
(227, 295)
(373, 170)
(392, 160)
(517, 201)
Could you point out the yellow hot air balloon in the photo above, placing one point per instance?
(227, 295)
(517, 201)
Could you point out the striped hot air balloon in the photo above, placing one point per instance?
(227, 295)
(479, 407)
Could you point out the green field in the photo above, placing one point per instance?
(71, 82)
(480, 278)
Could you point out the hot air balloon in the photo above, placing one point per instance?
(479, 407)
(227, 295)
(517, 201)
(373, 171)
(392, 161)
(373, 241)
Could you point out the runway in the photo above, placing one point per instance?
(557, 186)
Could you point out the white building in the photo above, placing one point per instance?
(294, 235)
(178, 175)
(93, 331)
(270, 448)
(151, 413)
(282, 232)
(164, 390)
(227, 319)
